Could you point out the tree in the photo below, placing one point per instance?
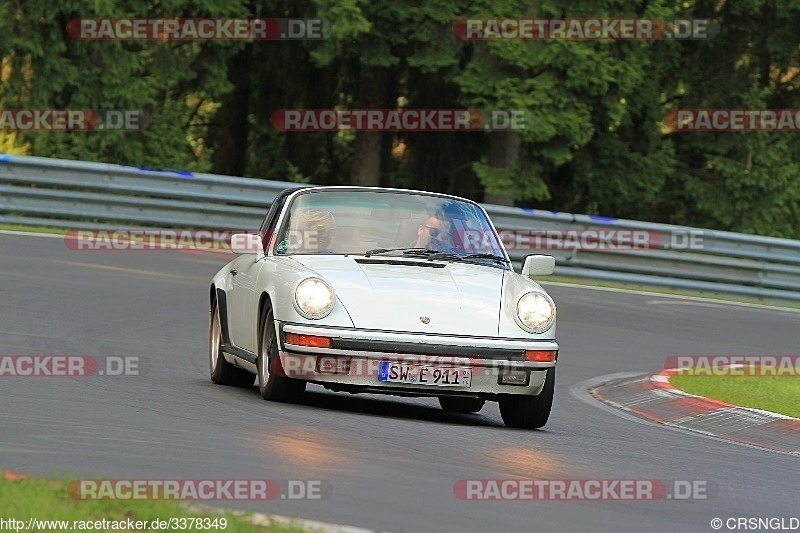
(739, 181)
(171, 80)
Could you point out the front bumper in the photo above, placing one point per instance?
(353, 358)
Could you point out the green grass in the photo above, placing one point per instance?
(665, 291)
(779, 394)
(27, 498)
(33, 229)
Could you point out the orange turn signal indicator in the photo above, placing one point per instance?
(541, 356)
(312, 341)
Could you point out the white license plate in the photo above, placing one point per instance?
(424, 375)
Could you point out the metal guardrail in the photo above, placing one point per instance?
(76, 194)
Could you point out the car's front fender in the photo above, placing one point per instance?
(279, 277)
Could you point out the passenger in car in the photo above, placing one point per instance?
(313, 230)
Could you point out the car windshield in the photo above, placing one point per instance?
(372, 223)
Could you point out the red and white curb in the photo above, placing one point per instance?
(654, 398)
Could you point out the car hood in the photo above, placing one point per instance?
(458, 299)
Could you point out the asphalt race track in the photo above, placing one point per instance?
(392, 462)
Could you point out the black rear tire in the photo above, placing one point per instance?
(454, 404)
(223, 372)
(272, 386)
(530, 412)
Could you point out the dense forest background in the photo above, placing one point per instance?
(597, 144)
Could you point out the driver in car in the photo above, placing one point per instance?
(434, 233)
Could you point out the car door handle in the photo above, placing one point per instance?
(234, 271)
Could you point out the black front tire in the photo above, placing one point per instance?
(272, 386)
(223, 372)
(530, 412)
(454, 404)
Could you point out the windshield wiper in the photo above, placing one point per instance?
(456, 257)
(446, 256)
(406, 251)
(486, 256)
(436, 255)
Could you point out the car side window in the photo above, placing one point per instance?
(267, 229)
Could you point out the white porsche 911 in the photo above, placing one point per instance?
(390, 291)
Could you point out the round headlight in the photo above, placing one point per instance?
(536, 312)
(313, 298)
